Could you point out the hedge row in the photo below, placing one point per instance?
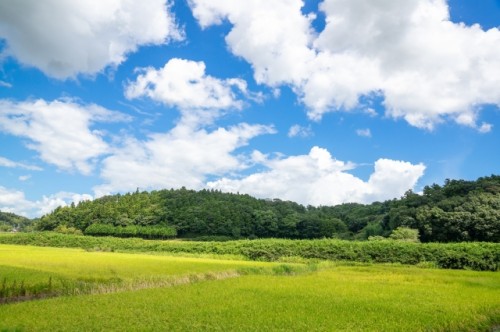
(466, 255)
(145, 232)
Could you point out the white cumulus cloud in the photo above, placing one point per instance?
(427, 68)
(319, 179)
(60, 131)
(185, 85)
(275, 43)
(65, 38)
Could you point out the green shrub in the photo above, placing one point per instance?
(63, 229)
(405, 234)
(376, 238)
(146, 232)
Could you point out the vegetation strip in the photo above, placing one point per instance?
(475, 256)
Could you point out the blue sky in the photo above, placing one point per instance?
(319, 102)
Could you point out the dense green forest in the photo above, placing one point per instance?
(457, 211)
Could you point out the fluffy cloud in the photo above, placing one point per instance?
(4, 162)
(185, 156)
(183, 84)
(59, 130)
(276, 45)
(65, 38)
(319, 179)
(427, 68)
(14, 201)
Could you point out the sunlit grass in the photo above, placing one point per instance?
(36, 271)
(347, 298)
(77, 263)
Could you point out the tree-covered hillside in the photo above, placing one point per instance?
(457, 211)
(10, 221)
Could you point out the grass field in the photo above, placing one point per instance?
(366, 297)
(42, 271)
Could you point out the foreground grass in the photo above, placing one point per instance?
(349, 298)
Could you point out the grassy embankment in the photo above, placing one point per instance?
(366, 297)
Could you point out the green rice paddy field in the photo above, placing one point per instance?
(60, 289)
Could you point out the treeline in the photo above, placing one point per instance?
(457, 211)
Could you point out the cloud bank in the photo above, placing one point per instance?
(184, 156)
(319, 179)
(426, 68)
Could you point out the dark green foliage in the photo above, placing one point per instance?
(145, 232)
(458, 211)
(192, 214)
(476, 256)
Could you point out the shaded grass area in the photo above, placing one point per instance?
(340, 298)
(25, 284)
(475, 256)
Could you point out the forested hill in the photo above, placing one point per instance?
(457, 211)
(10, 221)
